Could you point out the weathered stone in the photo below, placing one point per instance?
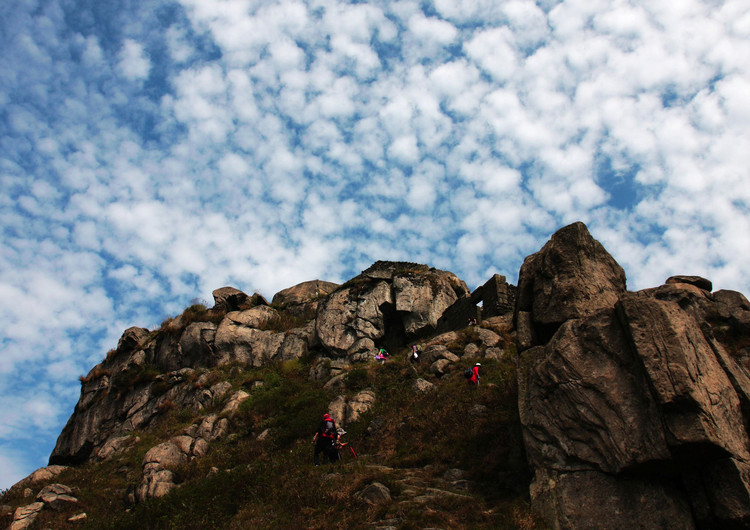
(359, 404)
(197, 344)
(304, 292)
(229, 299)
(494, 353)
(24, 516)
(388, 304)
(570, 277)
(115, 446)
(234, 402)
(699, 403)
(78, 518)
(375, 493)
(581, 401)
(487, 337)
(337, 410)
(591, 499)
(56, 496)
(166, 454)
(698, 281)
(525, 337)
(421, 385)
(440, 367)
(436, 353)
(471, 351)
(43, 474)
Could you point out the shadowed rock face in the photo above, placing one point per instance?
(632, 410)
(570, 277)
(387, 305)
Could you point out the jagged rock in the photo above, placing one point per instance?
(197, 344)
(471, 351)
(359, 404)
(24, 516)
(166, 454)
(43, 474)
(347, 411)
(632, 410)
(235, 401)
(421, 385)
(337, 410)
(115, 445)
(56, 496)
(495, 353)
(389, 303)
(699, 403)
(570, 277)
(699, 282)
(78, 518)
(440, 367)
(590, 499)
(303, 299)
(304, 292)
(239, 339)
(437, 352)
(229, 299)
(487, 337)
(375, 493)
(581, 405)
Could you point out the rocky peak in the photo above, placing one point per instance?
(626, 396)
(387, 305)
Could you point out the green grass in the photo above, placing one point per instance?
(273, 484)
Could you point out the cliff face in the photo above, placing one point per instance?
(387, 305)
(634, 406)
(632, 402)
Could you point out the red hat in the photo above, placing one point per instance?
(327, 416)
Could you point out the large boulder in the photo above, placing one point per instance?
(387, 305)
(239, 338)
(570, 277)
(304, 292)
(632, 408)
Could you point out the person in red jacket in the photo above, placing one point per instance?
(325, 440)
(474, 379)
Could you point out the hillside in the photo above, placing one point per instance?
(597, 407)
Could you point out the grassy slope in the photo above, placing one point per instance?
(272, 483)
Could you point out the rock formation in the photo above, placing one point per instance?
(387, 305)
(632, 409)
(635, 406)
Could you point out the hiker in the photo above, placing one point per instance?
(414, 354)
(381, 356)
(474, 379)
(325, 440)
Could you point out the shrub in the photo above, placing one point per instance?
(126, 381)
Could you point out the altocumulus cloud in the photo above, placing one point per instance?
(152, 152)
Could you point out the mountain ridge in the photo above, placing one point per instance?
(615, 430)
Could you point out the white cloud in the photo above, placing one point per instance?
(134, 62)
(280, 141)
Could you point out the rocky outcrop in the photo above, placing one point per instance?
(151, 372)
(632, 410)
(50, 497)
(387, 305)
(302, 299)
(570, 277)
(159, 462)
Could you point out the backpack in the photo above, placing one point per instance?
(467, 373)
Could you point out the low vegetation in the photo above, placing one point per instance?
(261, 475)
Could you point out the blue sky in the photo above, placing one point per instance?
(153, 151)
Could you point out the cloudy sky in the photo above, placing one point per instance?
(153, 151)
